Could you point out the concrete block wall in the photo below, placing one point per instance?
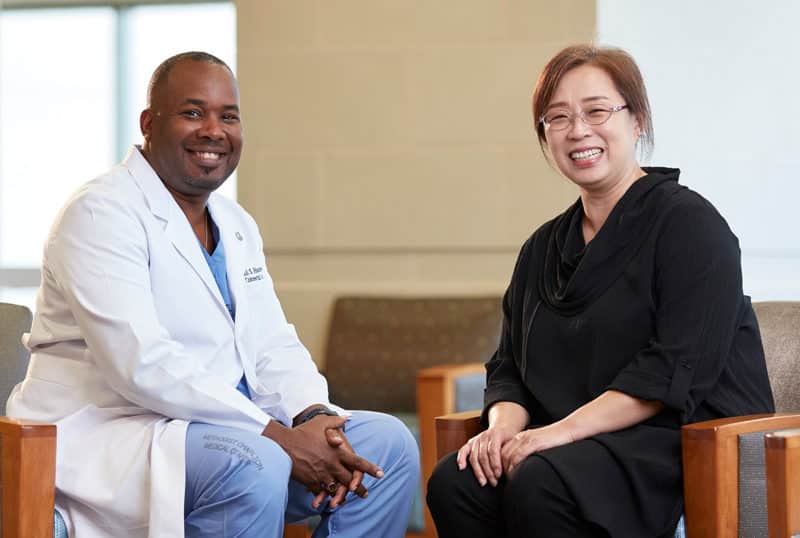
(389, 144)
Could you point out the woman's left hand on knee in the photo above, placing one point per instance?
(528, 442)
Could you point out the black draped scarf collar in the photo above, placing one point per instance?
(573, 276)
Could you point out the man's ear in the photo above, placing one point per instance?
(146, 122)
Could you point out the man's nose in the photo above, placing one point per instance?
(212, 128)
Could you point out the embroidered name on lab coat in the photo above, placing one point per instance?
(253, 274)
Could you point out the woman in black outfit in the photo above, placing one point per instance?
(624, 320)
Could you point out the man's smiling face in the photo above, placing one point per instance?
(192, 130)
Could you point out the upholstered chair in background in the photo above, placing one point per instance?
(377, 346)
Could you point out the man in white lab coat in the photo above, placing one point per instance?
(185, 402)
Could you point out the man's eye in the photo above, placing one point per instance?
(191, 114)
(231, 118)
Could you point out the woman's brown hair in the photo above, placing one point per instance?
(619, 65)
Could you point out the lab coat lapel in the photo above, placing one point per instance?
(185, 242)
(176, 225)
(234, 241)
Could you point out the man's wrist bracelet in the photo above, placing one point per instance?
(305, 417)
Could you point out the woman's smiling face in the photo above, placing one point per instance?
(594, 157)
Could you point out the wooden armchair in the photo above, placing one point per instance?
(783, 490)
(28, 478)
(27, 449)
(714, 477)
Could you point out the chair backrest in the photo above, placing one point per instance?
(376, 345)
(780, 332)
(14, 320)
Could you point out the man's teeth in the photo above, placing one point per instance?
(208, 155)
(585, 154)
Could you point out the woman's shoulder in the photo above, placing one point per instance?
(692, 220)
(688, 209)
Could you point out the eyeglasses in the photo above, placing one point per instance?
(558, 120)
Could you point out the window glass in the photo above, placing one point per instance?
(25, 296)
(207, 27)
(70, 104)
(56, 118)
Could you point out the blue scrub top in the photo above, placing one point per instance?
(216, 262)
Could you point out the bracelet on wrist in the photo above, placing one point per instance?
(308, 415)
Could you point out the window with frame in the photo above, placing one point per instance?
(69, 106)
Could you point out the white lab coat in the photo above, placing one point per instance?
(131, 341)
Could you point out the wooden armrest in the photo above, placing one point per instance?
(296, 530)
(436, 395)
(28, 471)
(451, 371)
(711, 470)
(453, 430)
(26, 428)
(782, 455)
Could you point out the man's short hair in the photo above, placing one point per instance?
(161, 72)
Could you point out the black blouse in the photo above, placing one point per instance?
(652, 307)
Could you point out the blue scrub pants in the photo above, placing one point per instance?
(238, 483)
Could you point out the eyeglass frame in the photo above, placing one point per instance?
(571, 117)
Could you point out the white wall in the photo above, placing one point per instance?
(724, 83)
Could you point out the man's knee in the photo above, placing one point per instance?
(404, 443)
(396, 448)
(224, 465)
(264, 474)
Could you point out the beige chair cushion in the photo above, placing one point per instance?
(376, 345)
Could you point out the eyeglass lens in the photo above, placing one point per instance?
(558, 120)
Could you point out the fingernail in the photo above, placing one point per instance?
(482, 482)
(379, 474)
(461, 467)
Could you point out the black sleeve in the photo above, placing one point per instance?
(503, 380)
(698, 296)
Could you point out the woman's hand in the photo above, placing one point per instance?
(483, 453)
(527, 442)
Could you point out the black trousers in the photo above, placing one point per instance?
(531, 503)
